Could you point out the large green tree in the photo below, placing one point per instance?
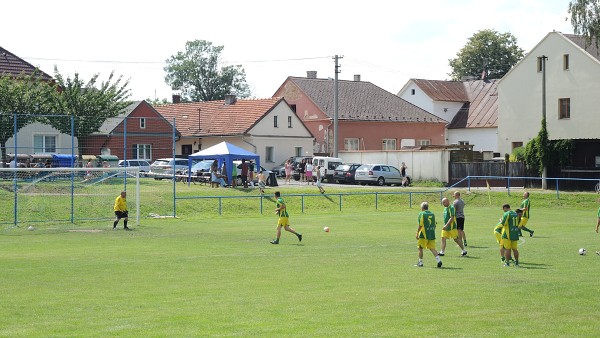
(197, 73)
(23, 97)
(487, 54)
(90, 103)
(585, 19)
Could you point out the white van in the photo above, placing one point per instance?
(327, 164)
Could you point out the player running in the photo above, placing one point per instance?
(283, 221)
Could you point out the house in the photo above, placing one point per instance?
(139, 132)
(267, 127)
(471, 107)
(572, 84)
(369, 118)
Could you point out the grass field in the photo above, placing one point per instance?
(210, 275)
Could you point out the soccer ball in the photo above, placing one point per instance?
(582, 251)
(326, 229)
(30, 228)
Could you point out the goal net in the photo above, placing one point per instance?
(50, 196)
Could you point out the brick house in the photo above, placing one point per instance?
(140, 132)
(369, 117)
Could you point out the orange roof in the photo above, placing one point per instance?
(215, 118)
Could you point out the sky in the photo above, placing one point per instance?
(387, 42)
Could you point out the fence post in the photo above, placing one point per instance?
(376, 201)
(125, 152)
(410, 199)
(16, 199)
(469, 183)
(261, 204)
(508, 185)
(557, 195)
(174, 181)
(73, 172)
(302, 203)
(220, 198)
(340, 202)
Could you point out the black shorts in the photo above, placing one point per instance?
(460, 223)
(121, 214)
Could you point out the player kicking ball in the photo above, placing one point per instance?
(283, 220)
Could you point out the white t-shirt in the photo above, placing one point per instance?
(309, 167)
(12, 164)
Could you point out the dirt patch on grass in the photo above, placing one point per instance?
(86, 230)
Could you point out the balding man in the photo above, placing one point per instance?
(449, 230)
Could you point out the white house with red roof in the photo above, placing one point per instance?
(266, 127)
(470, 106)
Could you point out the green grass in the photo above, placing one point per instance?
(210, 275)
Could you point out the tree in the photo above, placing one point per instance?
(487, 54)
(195, 72)
(89, 105)
(25, 96)
(585, 19)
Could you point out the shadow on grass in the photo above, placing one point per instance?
(537, 266)
(477, 247)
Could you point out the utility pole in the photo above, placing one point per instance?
(543, 59)
(335, 105)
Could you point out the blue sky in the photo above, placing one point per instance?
(386, 42)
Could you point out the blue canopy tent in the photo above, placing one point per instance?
(224, 153)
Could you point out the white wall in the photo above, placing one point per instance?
(520, 95)
(482, 139)
(419, 99)
(25, 139)
(422, 164)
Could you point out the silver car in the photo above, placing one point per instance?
(382, 174)
(163, 167)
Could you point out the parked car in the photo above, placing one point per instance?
(238, 164)
(163, 167)
(279, 170)
(327, 165)
(344, 173)
(381, 174)
(142, 164)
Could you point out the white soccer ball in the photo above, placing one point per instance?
(582, 251)
(30, 228)
(326, 229)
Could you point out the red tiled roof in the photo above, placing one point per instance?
(480, 98)
(437, 90)
(215, 118)
(12, 65)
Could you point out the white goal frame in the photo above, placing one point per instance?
(18, 178)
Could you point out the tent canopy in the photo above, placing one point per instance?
(224, 153)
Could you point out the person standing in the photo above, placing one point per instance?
(283, 221)
(120, 210)
(309, 173)
(251, 173)
(288, 171)
(403, 168)
(525, 206)
(510, 235)
(302, 170)
(426, 234)
(449, 230)
(459, 206)
(244, 174)
(13, 163)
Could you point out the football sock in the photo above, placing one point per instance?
(437, 258)
(115, 223)
(420, 261)
(502, 258)
(524, 228)
(125, 223)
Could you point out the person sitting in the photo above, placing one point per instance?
(216, 179)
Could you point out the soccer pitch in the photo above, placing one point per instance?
(219, 276)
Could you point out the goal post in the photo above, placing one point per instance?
(50, 195)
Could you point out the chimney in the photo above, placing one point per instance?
(176, 98)
(311, 74)
(357, 77)
(230, 99)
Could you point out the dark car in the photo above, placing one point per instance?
(344, 173)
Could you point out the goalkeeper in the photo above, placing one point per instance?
(121, 210)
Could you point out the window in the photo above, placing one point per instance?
(412, 92)
(275, 121)
(350, 144)
(44, 143)
(424, 142)
(186, 149)
(293, 106)
(539, 64)
(517, 144)
(143, 123)
(297, 151)
(389, 144)
(289, 121)
(143, 151)
(564, 108)
(269, 154)
(566, 62)
(463, 143)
